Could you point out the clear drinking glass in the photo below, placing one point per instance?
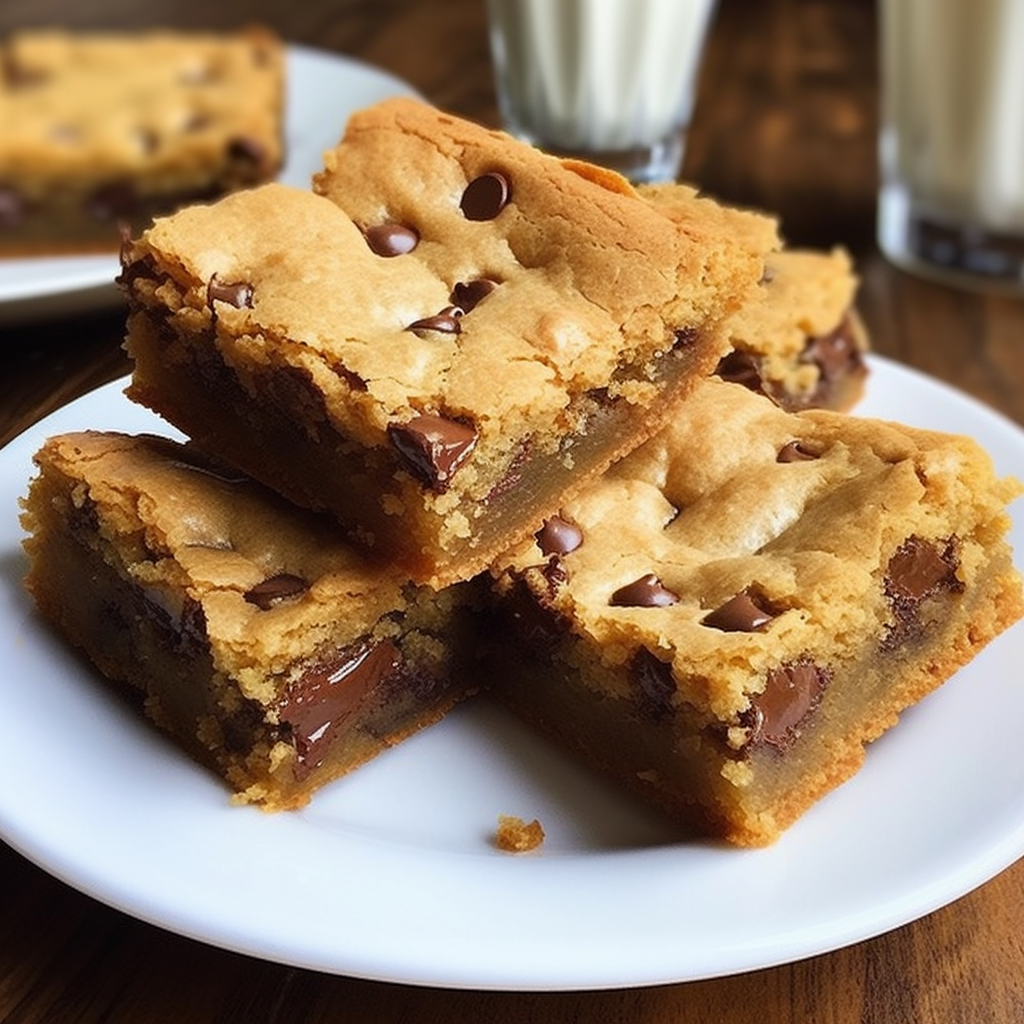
(951, 203)
(609, 81)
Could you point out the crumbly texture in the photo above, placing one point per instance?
(514, 835)
(803, 343)
(251, 632)
(107, 128)
(458, 332)
(731, 613)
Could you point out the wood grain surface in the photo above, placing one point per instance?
(785, 120)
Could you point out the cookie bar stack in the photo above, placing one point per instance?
(485, 378)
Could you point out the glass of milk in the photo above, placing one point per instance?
(951, 203)
(610, 81)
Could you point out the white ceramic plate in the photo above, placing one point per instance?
(322, 90)
(390, 873)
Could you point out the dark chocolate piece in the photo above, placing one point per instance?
(918, 570)
(318, 702)
(792, 692)
(276, 589)
(796, 451)
(743, 613)
(558, 536)
(485, 197)
(116, 200)
(654, 681)
(645, 592)
(685, 336)
(246, 150)
(741, 368)
(235, 293)
(12, 207)
(445, 322)
(467, 294)
(433, 447)
(391, 239)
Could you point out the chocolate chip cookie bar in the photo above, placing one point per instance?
(803, 343)
(735, 610)
(458, 332)
(103, 129)
(265, 645)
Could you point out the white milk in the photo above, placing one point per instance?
(952, 145)
(598, 76)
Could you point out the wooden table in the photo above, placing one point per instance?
(785, 120)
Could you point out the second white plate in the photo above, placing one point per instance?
(322, 90)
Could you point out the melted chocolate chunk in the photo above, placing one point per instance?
(235, 293)
(320, 700)
(645, 592)
(746, 612)
(391, 239)
(350, 377)
(116, 200)
(12, 207)
(741, 368)
(834, 353)
(918, 570)
(654, 683)
(485, 197)
(433, 447)
(466, 295)
(792, 693)
(275, 589)
(796, 451)
(558, 536)
(445, 322)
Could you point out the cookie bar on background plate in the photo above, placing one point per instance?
(254, 635)
(803, 343)
(800, 339)
(104, 128)
(733, 611)
(439, 348)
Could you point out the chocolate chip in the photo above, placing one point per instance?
(433, 447)
(796, 451)
(485, 197)
(791, 693)
(466, 295)
(655, 683)
(12, 207)
(445, 322)
(236, 293)
(18, 76)
(558, 536)
(391, 239)
(276, 589)
(246, 150)
(645, 592)
(745, 612)
(116, 200)
(330, 690)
